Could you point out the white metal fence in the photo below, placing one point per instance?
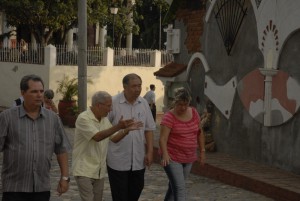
(132, 57)
(139, 57)
(68, 55)
(22, 53)
(166, 57)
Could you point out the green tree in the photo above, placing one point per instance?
(50, 20)
(141, 19)
(125, 19)
(43, 18)
(152, 12)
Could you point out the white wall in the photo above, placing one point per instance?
(110, 79)
(104, 78)
(10, 77)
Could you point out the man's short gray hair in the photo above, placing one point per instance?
(100, 97)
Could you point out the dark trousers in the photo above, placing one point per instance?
(126, 185)
(21, 196)
(153, 111)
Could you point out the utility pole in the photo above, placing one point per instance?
(82, 55)
(159, 40)
(113, 11)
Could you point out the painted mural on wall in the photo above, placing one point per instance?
(284, 100)
(266, 65)
(221, 95)
(270, 95)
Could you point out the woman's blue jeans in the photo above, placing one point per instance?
(177, 174)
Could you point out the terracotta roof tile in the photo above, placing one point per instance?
(170, 70)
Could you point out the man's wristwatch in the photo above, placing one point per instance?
(66, 178)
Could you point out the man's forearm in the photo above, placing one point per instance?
(62, 160)
(101, 135)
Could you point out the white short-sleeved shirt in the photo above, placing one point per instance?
(150, 97)
(129, 153)
(89, 156)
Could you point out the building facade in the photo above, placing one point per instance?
(242, 56)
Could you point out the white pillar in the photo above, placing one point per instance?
(129, 36)
(102, 36)
(50, 56)
(129, 41)
(69, 40)
(97, 34)
(108, 57)
(155, 58)
(33, 42)
(268, 73)
(5, 30)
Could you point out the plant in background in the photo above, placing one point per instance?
(74, 110)
(68, 88)
(67, 106)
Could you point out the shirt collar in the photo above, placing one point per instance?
(123, 99)
(23, 112)
(91, 115)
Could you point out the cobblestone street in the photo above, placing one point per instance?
(198, 188)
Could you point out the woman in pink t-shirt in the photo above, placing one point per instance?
(180, 135)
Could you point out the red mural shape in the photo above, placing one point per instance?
(251, 89)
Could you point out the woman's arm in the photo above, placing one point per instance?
(164, 135)
(201, 141)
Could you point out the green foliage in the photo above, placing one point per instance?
(50, 20)
(68, 88)
(152, 11)
(97, 11)
(45, 17)
(124, 20)
(74, 110)
(171, 14)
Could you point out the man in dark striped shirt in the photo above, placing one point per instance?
(29, 136)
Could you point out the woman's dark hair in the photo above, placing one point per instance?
(181, 94)
(49, 93)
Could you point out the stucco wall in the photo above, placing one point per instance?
(240, 134)
(110, 79)
(104, 78)
(10, 77)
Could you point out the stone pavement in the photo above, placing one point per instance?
(274, 183)
(199, 188)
